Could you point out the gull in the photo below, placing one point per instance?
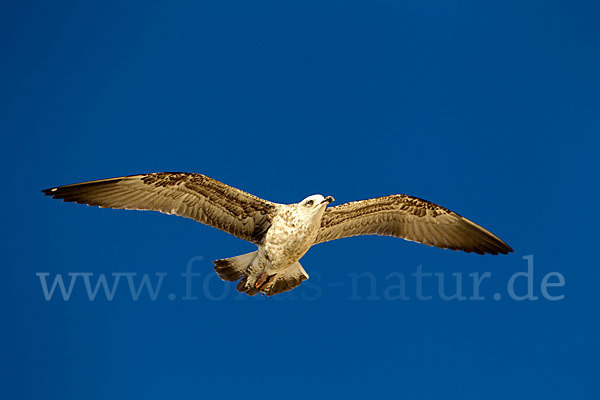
(282, 232)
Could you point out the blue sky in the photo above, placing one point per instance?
(488, 109)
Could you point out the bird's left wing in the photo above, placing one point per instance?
(409, 218)
(188, 195)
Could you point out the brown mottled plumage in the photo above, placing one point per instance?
(283, 232)
(188, 195)
(409, 218)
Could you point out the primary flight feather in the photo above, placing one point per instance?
(283, 232)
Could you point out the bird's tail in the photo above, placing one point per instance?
(254, 280)
(279, 282)
(232, 269)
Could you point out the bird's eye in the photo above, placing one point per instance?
(309, 202)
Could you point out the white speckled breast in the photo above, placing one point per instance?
(291, 234)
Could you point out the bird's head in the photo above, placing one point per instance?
(316, 201)
(312, 207)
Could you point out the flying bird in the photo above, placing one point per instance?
(282, 232)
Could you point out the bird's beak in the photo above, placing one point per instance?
(328, 200)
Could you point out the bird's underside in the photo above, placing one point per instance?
(248, 217)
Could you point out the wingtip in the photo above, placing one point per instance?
(500, 248)
(505, 249)
(49, 191)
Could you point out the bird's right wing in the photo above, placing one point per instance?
(188, 195)
(409, 218)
